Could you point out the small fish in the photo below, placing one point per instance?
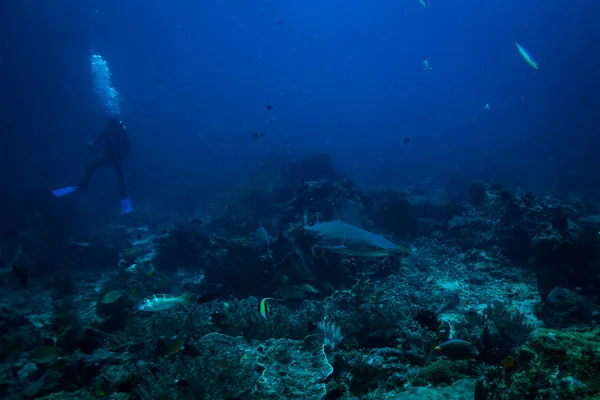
(426, 66)
(43, 354)
(406, 140)
(257, 135)
(205, 220)
(261, 237)
(526, 55)
(79, 244)
(149, 270)
(111, 297)
(172, 345)
(309, 288)
(181, 383)
(424, 3)
(457, 349)
(265, 309)
(268, 107)
(487, 106)
(509, 363)
(161, 302)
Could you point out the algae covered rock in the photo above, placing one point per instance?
(555, 365)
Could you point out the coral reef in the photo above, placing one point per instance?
(498, 330)
(565, 365)
(362, 287)
(227, 367)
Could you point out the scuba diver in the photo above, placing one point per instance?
(115, 149)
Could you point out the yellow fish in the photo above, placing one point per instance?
(174, 344)
(265, 309)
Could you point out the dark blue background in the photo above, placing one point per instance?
(343, 77)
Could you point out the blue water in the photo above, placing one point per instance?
(343, 77)
(394, 273)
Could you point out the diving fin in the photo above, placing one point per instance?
(126, 206)
(64, 191)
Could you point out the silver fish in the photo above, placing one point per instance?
(160, 302)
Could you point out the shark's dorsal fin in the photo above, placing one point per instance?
(335, 213)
